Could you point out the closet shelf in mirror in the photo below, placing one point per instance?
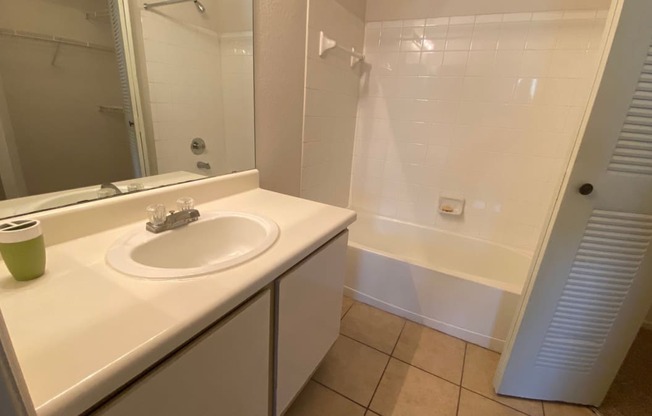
(110, 109)
(53, 39)
(98, 15)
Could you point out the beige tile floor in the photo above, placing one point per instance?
(383, 365)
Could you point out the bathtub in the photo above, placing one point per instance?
(465, 287)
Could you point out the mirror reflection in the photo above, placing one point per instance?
(106, 97)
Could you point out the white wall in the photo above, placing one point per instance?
(484, 107)
(357, 7)
(379, 10)
(331, 100)
(280, 56)
(232, 15)
(238, 97)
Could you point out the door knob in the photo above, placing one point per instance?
(586, 189)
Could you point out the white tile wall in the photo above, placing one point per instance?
(330, 105)
(483, 106)
(185, 88)
(238, 96)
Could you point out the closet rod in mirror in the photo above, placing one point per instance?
(53, 39)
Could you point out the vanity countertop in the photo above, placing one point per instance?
(83, 329)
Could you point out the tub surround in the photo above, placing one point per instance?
(486, 107)
(83, 330)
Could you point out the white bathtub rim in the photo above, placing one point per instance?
(523, 252)
(507, 287)
(476, 338)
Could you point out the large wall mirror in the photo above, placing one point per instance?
(105, 97)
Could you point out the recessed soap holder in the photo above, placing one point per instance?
(451, 205)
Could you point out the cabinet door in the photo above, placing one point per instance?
(224, 372)
(309, 309)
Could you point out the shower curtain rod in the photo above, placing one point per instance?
(326, 44)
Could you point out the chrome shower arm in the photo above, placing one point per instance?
(199, 6)
(162, 3)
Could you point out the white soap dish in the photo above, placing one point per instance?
(451, 205)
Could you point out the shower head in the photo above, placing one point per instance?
(199, 6)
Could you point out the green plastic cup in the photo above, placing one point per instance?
(23, 248)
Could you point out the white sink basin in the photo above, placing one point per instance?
(218, 240)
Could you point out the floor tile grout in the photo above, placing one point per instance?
(338, 393)
(466, 349)
(391, 355)
(466, 344)
(347, 311)
(386, 365)
(378, 384)
(500, 403)
(366, 345)
(459, 394)
(426, 371)
(402, 361)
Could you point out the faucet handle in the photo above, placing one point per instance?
(185, 204)
(156, 213)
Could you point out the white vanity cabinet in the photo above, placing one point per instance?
(228, 369)
(225, 371)
(309, 304)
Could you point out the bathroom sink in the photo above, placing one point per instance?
(218, 240)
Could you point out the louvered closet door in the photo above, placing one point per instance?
(593, 278)
(137, 161)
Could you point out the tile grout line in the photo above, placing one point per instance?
(389, 358)
(347, 312)
(391, 355)
(459, 394)
(482, 394)
(366, 345)
(338, 393)
(325, 386)
(434, 375)
(426, 371)
(501, 403)
(402, 361)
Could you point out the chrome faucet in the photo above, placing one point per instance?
(174, 219)
(109, 185)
